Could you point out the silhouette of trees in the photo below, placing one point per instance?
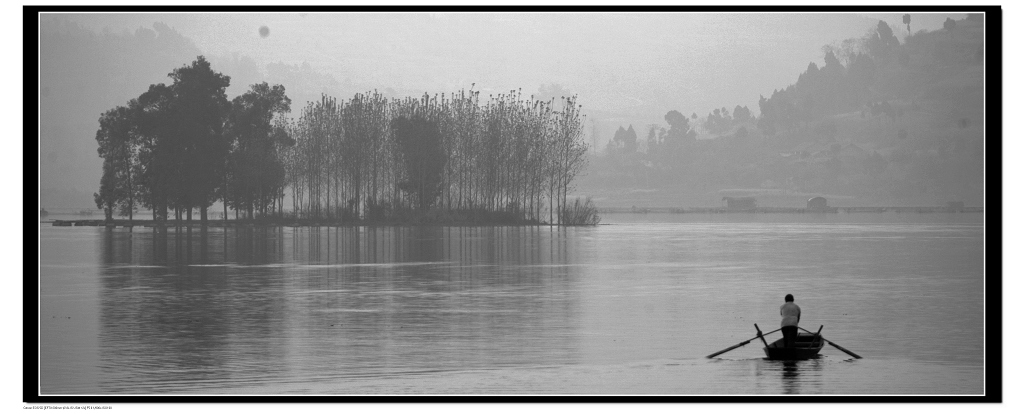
(254, 179)
(183, 146)
(159, 152)
(811, 139)
(741, 114)
(624, 140)
(376, 158)
(419, 140)
(949, 25)
(679, 132)
(883, 44)
(906, 21)
(718, 121)
(167, 148)
(118, 148)
(198, 110)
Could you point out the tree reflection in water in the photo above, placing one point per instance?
(194, 308)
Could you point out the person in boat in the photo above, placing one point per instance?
(790, 319)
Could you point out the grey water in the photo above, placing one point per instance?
(631, 306)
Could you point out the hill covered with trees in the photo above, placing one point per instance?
(880, 122)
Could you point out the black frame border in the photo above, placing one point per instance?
(993, 366)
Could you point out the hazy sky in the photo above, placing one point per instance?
(627, 68)
(684, 61)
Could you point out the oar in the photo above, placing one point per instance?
(740, 344)
(759, 335)
(836, 345)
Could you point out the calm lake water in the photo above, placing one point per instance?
(630, 307)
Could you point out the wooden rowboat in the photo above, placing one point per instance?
(807, 346)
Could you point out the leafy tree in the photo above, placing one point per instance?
(106, 199)
(832, 62)
(949, 25)
(419, 140)
(886, 35)
(679, 132)
(158, 155)
(625, 140)
(677, 121)
(882, 44)
(178, 147)
(117, 147)
(199, 110)
(906, 21)
(741, 114)
(255, 170)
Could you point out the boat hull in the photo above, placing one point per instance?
(807, 347)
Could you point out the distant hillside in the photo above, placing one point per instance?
(882, 122)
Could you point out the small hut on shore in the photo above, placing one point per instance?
(740, 203)
(817, 204)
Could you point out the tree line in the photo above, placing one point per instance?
(179, 148)
(508, 159)
(854, 76)
(913, 139)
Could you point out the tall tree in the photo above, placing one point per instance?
(117, 147)
(199, 111)
(419, 140)
(255, 168)
(906, 21)
(625, 140)
(679, 132)
(158, 150)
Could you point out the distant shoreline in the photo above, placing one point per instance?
(783, 210)
(278, 223)
(612, 210)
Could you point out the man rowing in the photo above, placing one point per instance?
(790, 319)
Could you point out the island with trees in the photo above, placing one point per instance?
(457, 158)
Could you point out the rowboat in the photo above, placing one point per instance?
(806, 346)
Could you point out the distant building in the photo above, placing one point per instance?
(740, 203)
(817, 203)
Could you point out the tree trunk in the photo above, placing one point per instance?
(131, 201)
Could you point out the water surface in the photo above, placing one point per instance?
(631, 307)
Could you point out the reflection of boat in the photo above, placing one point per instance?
(807, 346)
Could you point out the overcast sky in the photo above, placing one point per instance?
(689, 61)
